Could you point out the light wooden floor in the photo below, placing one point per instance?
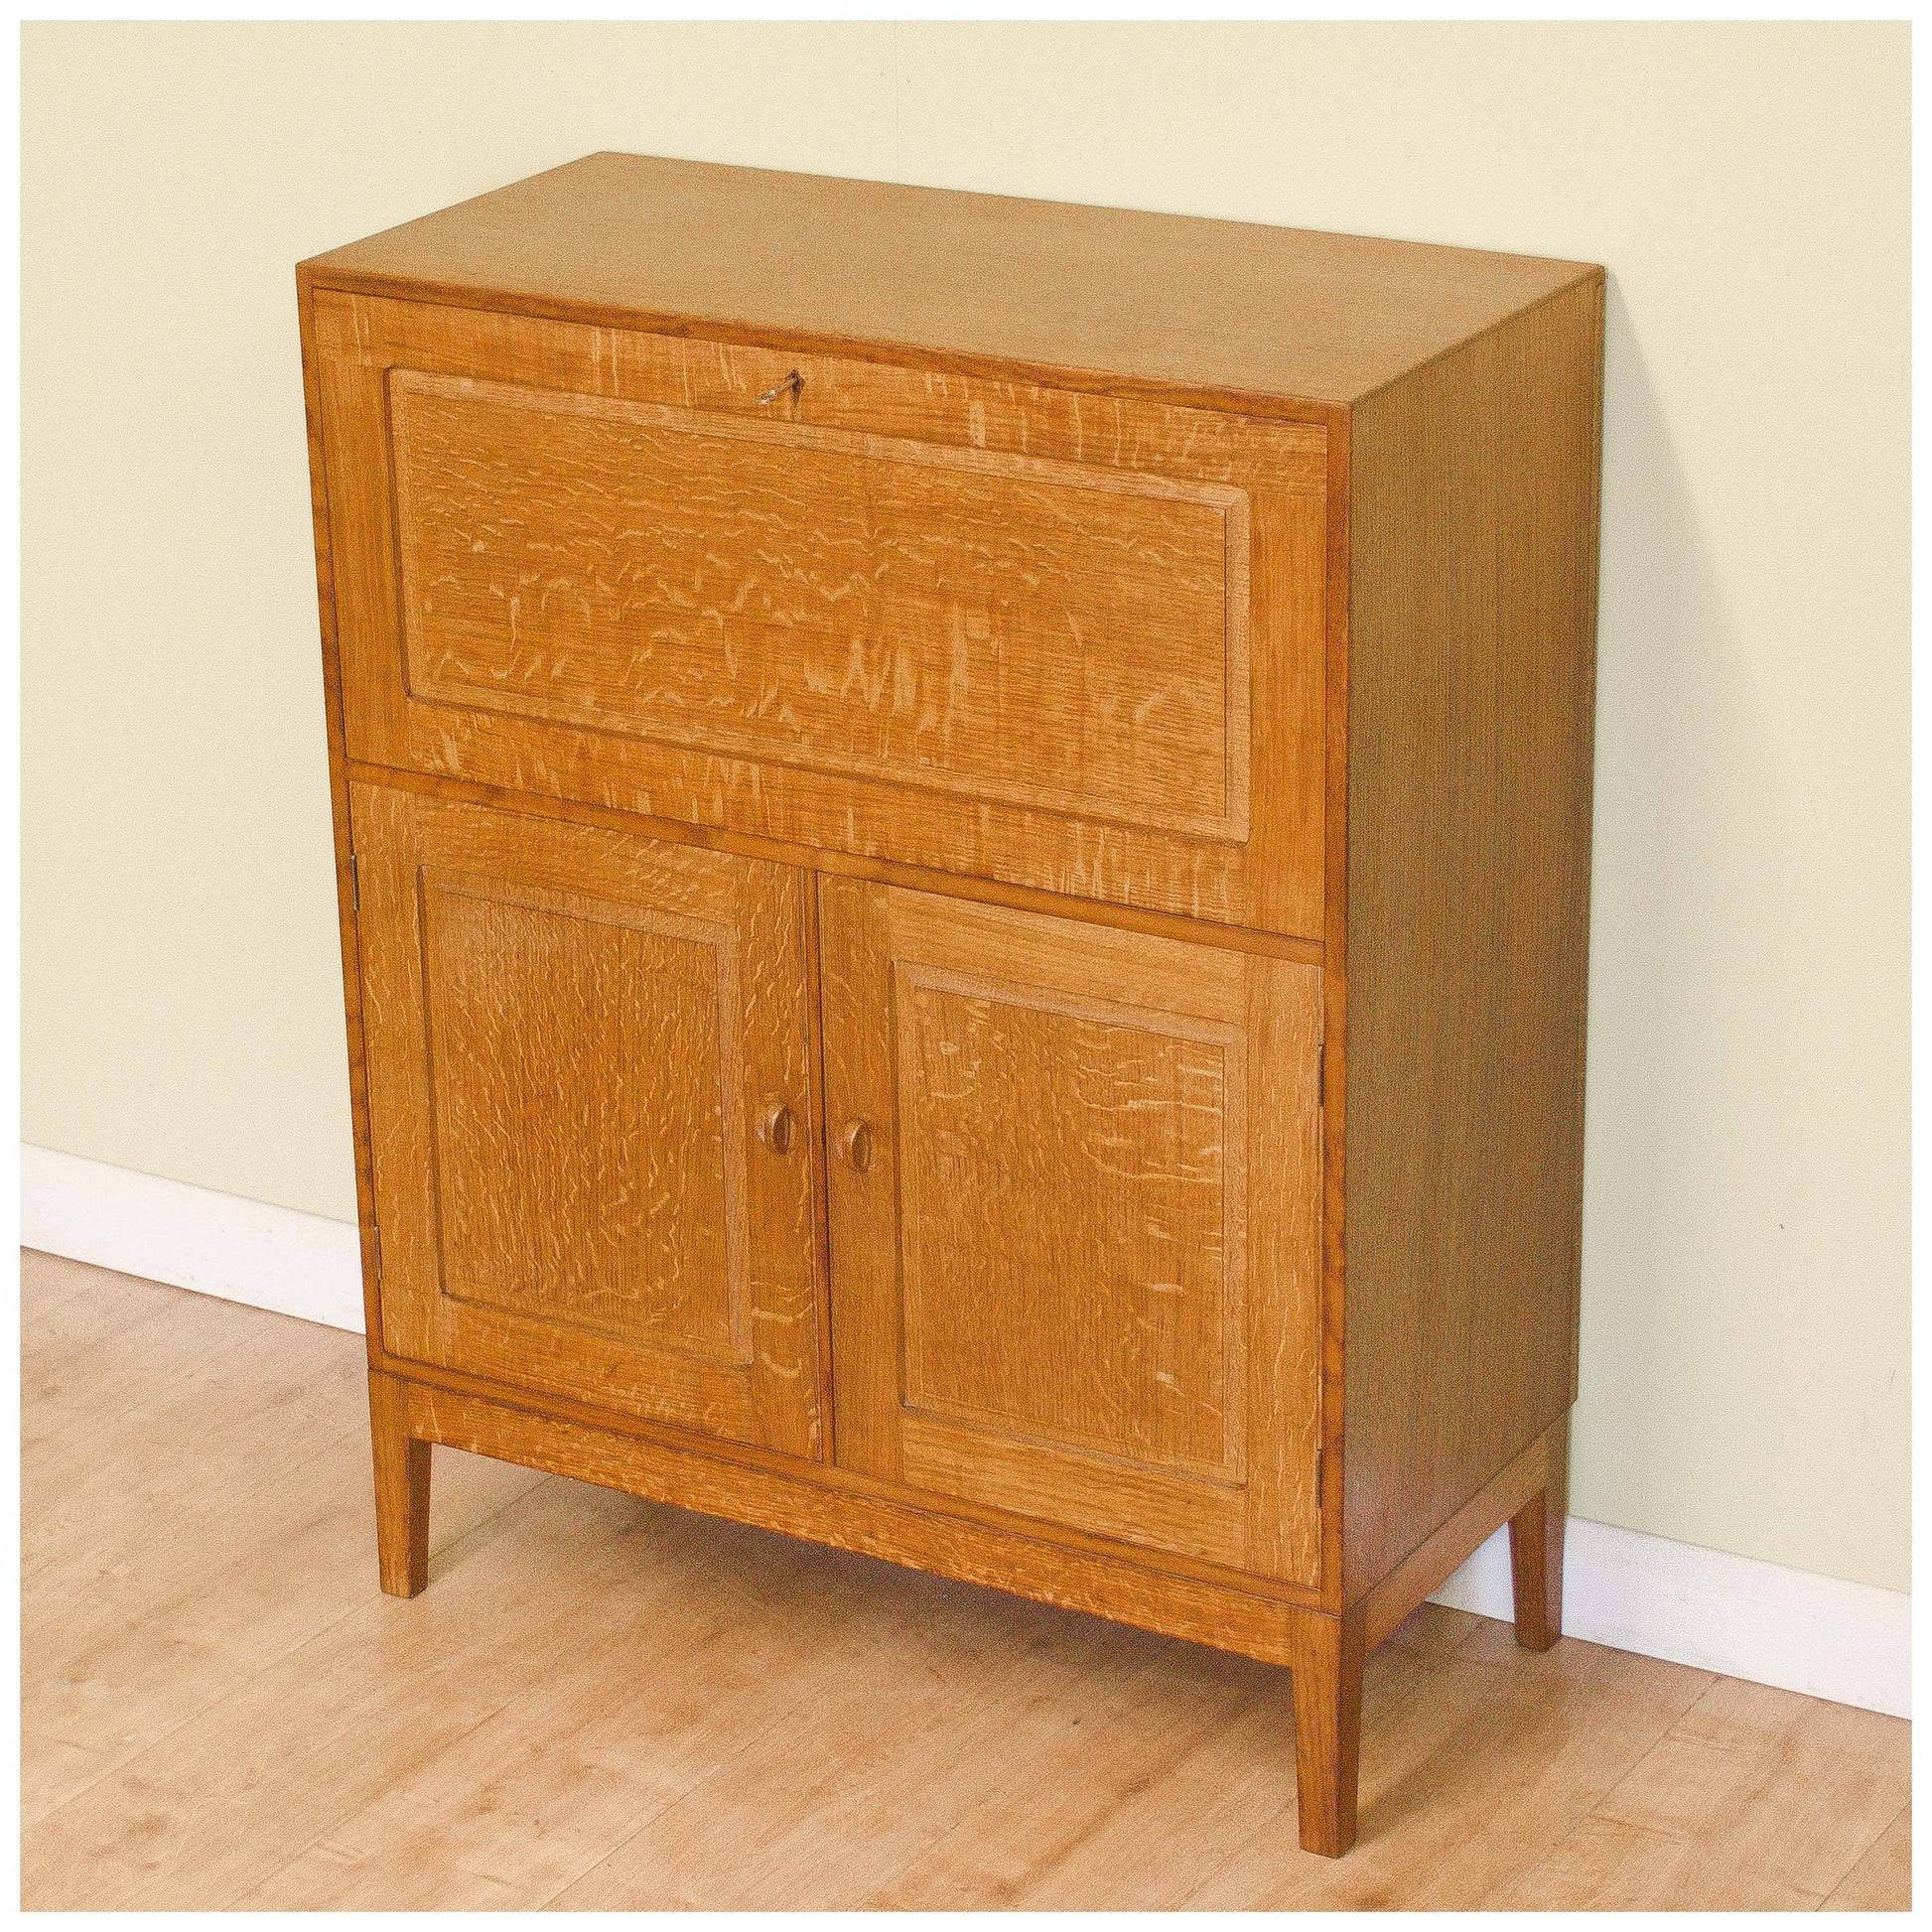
(602, 1702)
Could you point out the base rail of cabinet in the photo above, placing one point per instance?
(1513, 1496)
(945, 1545)
(1323, 1652)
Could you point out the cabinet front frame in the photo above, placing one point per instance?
(1119, 888)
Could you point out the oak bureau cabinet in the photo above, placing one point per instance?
(963, 843)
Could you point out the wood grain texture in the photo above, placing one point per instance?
(577, 1412)
(1049, 1296)
(813, 1730)
(335, 726)
(1152, 301)
(1335, 1018)
(1881, 1880)
(161, 1461)
(829, 599)
(1756, 1797)
(1070, 592)
(401, 1490)
(589, 1095)
(1135, 1130)
(1536, 1538)
(1471, 680)
(1325, 1653)
(1432, 1562)
(1201, 1612)
(856, 607)
(844, 864)
(1329, 1733)
(572, 1038)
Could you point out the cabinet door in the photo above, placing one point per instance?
(821, 599)
(590, 1109)
(1074, 1194)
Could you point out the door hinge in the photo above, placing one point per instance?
(1322, 1074)
(377, 1232)
(355, 883)
(1320, 1475)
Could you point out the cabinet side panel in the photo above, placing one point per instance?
(1472, 667)
(331, 696)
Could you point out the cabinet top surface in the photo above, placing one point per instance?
(819, 261)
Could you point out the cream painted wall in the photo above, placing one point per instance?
(1744, 1296)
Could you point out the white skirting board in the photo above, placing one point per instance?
(191, 1237)
(1849, 1642)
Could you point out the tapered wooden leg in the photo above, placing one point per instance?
(1536, 1549)
(401, 1491)
(1329, 1731)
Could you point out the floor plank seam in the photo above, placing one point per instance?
(261, 1878)
(1597, 1809)
(211, 1522)
(232, 1505)
(161, 1738)
(707, 1564)
(1901, 1816)
(280, 1658)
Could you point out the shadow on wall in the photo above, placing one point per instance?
(1693, 1068)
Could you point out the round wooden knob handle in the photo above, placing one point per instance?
(778, 1128)
(856, 1142)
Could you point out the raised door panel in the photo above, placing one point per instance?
(579, 1044)
(1074, 1210)
(822, 601)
